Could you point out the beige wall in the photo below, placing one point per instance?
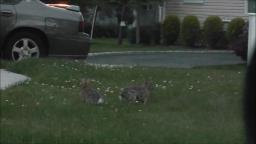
(226, 9)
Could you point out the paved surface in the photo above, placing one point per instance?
(8, 79)
(166, 59)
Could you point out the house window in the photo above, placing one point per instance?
(194, 1)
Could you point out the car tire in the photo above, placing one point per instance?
(24, 45)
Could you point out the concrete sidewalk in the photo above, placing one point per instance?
(169, 59)
(8, 79)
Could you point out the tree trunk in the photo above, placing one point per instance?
(137, 25)
(94, 20)
(120, 32)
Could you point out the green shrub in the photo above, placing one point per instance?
(213, 30)
(171, 29)
(190, 30)
(108, 31)
(235, 28)
(240, 43)
(148, 34)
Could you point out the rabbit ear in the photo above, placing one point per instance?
(85, 81)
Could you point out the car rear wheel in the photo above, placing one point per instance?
(24, 45)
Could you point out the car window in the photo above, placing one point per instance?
(10, 1)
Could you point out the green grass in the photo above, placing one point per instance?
(108, 45)
(188, 106)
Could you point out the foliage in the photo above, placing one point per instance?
(235, 28)
(150, 34)
(107, 31)
(213, 30)
(190, 30)
(171, 29)
(240, 43)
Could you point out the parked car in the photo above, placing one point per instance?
(31, 28)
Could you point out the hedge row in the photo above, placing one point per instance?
(212, 33)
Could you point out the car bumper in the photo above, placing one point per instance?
(77, 46)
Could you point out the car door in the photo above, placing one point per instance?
(7, 16)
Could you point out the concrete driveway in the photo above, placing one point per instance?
(170, 59)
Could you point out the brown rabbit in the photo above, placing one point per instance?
(137, 94)
(90, 95)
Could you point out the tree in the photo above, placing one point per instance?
(122, 6)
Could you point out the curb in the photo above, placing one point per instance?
(175, 51)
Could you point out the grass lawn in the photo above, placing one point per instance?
(188, 106)
(107, 44)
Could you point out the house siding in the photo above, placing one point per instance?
(226, 9)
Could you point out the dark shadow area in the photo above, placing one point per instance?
(250, 101)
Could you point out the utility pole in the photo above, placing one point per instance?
(252, 28)
(94, 20)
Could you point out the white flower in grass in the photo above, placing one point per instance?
(199, 90)
(239, 72)
(164, 87)
(156, 85)
(188, 74)
(139, 110)
(209, 77)
(98, 88)
(198, 82)
(132, 80)
(22, 105)
(73, 86)
(37, 103)
(6, 100)
(191, 87)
